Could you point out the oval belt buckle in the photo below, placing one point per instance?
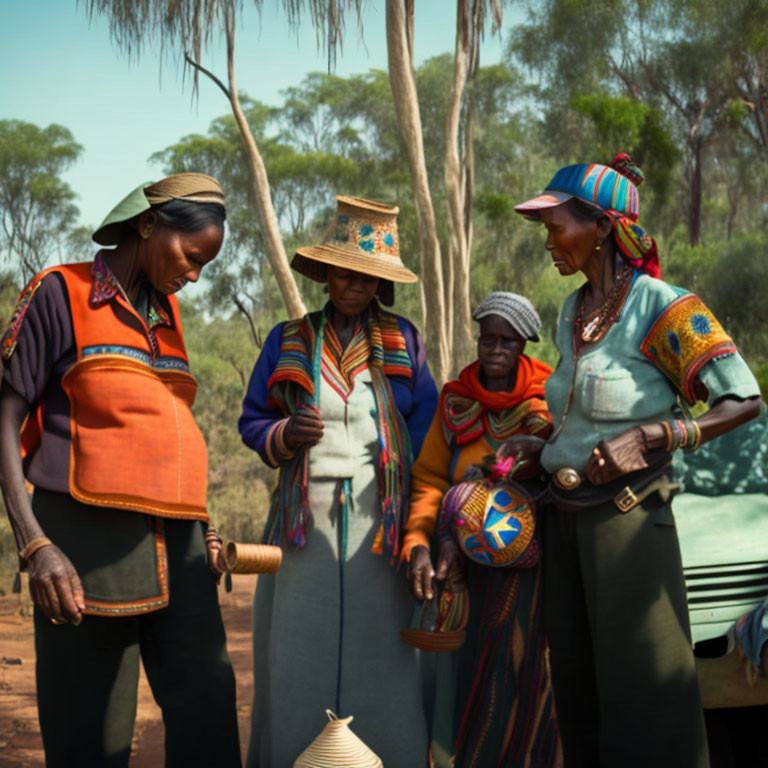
(567, 479)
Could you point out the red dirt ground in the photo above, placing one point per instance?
(20, 743)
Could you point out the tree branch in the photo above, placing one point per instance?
(201, 68)
(243, 310)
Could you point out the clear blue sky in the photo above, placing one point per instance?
(59, 68)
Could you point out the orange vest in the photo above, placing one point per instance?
(135, 443)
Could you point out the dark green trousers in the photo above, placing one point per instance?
(622, 664)
(87, 676)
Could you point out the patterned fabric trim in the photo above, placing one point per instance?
(163, 363)
(339, 365)
(106, 286)
(682, 339)
(298, 361)
(158, 315)
(294, 363)
(388, 345)
(387, 349)
(11, 336)
(466, 420)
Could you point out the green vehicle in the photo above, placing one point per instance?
(722, 524)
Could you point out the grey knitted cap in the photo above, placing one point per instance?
(513, 308)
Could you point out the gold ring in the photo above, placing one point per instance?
(58, 621)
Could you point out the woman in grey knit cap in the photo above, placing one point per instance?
(504, 713)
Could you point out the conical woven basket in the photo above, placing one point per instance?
(337, 747)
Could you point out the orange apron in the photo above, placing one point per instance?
(135, 443)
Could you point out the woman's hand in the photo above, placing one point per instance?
(421, 574)
(55, 586)
(303, 428)
(215, 556)
(449, 566)
(526, 451)
(616, 457)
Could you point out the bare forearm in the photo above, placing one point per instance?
(727, 414)
(13, 411)
(627, 452)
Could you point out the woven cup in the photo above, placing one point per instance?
(252, 558)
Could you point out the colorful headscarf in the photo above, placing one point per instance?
(613, 189)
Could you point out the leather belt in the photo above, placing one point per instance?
(568, 479)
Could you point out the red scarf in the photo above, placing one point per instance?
(467, 423)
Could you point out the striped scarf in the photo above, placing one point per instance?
(310, 349)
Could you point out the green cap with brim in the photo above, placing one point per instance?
(110, 232)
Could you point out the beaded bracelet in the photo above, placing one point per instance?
(680, 424)
(693, 440)
(685, 434)
(669, 437)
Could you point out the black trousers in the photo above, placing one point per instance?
(623, 672)
(87, 676)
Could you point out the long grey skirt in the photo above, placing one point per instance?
(326, 634)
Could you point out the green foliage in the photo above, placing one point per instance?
(36, 208)
(636, 128)
(736, 295)
(221, 357)
(676, 83)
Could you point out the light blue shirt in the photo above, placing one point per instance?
(616, 386)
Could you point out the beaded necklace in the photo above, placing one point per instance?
(593, 327)
(598, 323)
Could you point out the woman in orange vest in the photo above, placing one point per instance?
(122, 561)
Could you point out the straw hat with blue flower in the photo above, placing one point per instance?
(363, 238)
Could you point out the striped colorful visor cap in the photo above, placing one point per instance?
(610, 190)
(593, 183)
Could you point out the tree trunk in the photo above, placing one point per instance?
(733, 209)
(455, 190)
(265, 211)
(694, 209)
(406, 102)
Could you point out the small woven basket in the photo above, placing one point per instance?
(252, 558)
(445, 632)
(337, 747)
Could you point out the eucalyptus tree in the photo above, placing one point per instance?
(302, 183)
(655, 52)
(186, 28)
(446, 291)
(36, 205)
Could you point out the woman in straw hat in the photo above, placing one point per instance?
(635, 352)
(504, 714)
(116, 539)
(340, 401)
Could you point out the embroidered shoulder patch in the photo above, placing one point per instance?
(11, 336)
(683, 338)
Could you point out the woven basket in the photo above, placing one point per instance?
(438, 642)
(442, 621)
(337, 747)
(252, 558)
